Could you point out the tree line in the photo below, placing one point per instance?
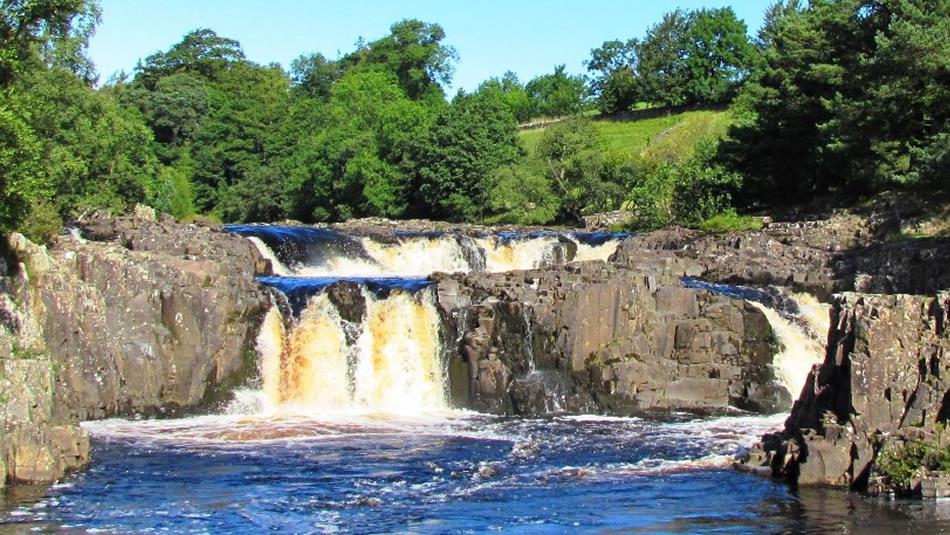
(831, 96)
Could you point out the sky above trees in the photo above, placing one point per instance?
(491, 36)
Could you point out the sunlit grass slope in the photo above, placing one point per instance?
(668, 137)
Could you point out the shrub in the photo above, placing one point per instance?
(686, 192)
(730, 221)
(42, 222)
(900, 465)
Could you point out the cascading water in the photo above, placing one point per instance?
(398, 367)
(800, 350)
(309, 363)
(313, 252)
(390, 357)
(800, 324)
(352, 437)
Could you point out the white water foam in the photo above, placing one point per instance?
(308, 366)
(800, 350)
(588, 253)
(513, 255)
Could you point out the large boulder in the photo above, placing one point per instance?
(593, 337)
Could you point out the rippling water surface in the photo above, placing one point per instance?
(452, 472)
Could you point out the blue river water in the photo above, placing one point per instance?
(450, 473)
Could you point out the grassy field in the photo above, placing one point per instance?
(669, 137)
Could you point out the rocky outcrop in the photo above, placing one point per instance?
(845, 252)
(885, 382)
(152, 318)
(37, 443)
(592, 337)
(608, 220)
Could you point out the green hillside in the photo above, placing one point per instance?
(669, 137)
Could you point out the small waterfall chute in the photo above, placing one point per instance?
(596, 245)
(800, 323)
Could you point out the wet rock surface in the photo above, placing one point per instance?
(840, 253)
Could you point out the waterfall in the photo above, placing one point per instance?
(587, 252)
(321, 252)
(358, 329)
(515, 254)
(800, 323)
(309, 364)
(419, 256)
(798, 334)
(399, 355)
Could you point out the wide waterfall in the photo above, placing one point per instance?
(322, 252)
(380, 350)
(355, 326)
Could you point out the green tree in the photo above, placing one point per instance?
(662, 73)
(850, 98)
(92, 153)
(556, 94)
(777, 139)
(414, 52)
(718, 55)
(467, 142)
(522, 195)
(174, 110)
(313, 75)
(354, 164)
(30, 26)
(19, 152)
(685, 192)
(236, 139)
(171, 191)
(893, 123)
(614, 81)
(33, 35)
(512, 94)
(201, 52)
(575, 162)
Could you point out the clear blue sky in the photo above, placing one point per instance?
(491, 36)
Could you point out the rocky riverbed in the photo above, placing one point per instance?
(145, 316)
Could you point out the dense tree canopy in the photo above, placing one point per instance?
(688, 58)
(414, 52)
(468, 141)
(833, 96)
(851, 96)
(556, 94)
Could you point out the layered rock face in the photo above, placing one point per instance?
(821, 257)
(155, 318)
(37, 442)
(592, 337)
(885, 382)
